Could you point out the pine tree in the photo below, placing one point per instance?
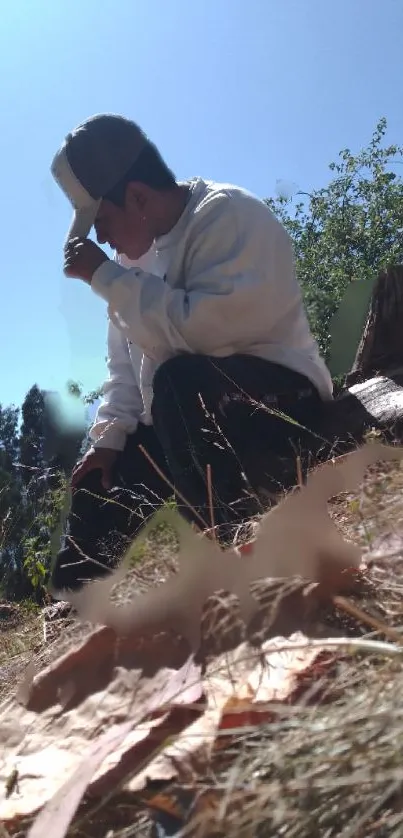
(31, 441)
(11, 516)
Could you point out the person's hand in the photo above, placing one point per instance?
(82, 257)
(103, 459)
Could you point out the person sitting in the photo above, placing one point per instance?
(212, 365)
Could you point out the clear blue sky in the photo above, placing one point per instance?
(248, 91)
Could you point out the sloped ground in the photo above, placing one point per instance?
(326, 761)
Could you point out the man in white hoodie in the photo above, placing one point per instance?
(208, 343)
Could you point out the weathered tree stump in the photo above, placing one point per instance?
(373, 397)
(376, 403)
(381, 345)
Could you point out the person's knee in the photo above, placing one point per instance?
(178, 370)
(182, 375)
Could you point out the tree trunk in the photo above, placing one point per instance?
(381, 346)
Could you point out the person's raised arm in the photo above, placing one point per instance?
(232, 274)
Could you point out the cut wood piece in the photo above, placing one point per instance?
(373, 404)
(381, 345)
(376, 403)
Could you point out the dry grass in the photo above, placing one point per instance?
(20, 638)
(327, 767)
(331, 766)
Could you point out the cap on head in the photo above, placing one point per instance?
(92, 160)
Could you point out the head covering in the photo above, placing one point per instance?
(92, 160)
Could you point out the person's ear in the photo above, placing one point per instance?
(136, 197)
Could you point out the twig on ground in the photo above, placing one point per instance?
(353, 611)
(171, 486)
(352, 643)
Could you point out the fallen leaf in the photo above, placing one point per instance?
(119, 726)
(296, 538)
(245, 690)
(57, 815)
(280, 676)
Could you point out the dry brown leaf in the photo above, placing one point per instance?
(277, 678)
(296, 538)
(241, 675)
(57, 815)
(133, 729)
(244, 689)
(45, 741)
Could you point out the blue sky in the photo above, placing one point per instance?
(248, 91)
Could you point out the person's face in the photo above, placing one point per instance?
(127, 229)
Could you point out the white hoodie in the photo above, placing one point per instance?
(221, 282)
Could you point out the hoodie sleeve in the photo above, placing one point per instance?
(122, 404)
(229, 303)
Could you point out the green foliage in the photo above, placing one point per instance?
(74, 388)
(37, 542)
(32, 494)
(8, 436)
(93, 396)
(348, 230)
(32, 434)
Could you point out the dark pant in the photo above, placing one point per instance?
(208, 413)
